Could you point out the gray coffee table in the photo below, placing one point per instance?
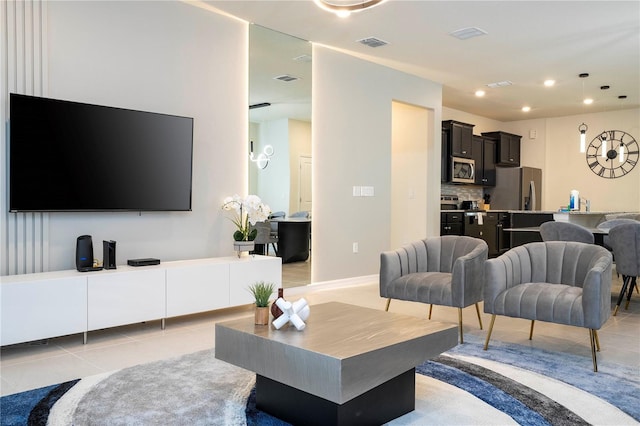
(350, 365)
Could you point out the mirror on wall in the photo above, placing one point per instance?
(280, 128)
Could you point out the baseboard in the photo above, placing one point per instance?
(333, 284)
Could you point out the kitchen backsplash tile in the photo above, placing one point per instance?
(464, 192)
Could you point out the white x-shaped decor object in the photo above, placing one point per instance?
(296, 313)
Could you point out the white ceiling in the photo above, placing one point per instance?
(526, 43)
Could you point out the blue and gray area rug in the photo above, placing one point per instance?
(508, 384)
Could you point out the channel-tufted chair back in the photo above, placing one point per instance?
(565, 231)
(625, 242)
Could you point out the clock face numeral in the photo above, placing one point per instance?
(618, 144)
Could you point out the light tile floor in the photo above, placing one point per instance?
(32, 365)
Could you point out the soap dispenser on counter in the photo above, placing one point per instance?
(574, 200)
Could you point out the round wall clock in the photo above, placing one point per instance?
(612, 154)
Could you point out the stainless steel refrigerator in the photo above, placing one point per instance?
(517, 188)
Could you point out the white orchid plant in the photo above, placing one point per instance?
(245, 212)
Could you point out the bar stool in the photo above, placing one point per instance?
(625, 242)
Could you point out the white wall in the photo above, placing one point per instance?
(352, 111)
(167, 57)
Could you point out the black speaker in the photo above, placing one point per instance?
(109, 254)
(84, 252)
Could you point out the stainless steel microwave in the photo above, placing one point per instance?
(463, 170)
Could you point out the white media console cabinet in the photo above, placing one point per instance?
(50, 304)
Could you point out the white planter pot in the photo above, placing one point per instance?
(241, 246)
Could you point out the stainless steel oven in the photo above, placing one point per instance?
(463, 170)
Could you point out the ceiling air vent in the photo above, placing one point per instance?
(499, 84)
(286, 78)
(372, 42)
(467, 33)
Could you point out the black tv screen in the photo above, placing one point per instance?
(71, 156)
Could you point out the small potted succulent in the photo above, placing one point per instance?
(262, 292)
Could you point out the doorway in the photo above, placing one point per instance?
(409, 155)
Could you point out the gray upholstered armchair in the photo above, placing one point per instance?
(445, 270)
(557, 281)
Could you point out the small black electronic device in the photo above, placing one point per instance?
(109, 254)
(84, 253)
(90, 268)
(143, 262)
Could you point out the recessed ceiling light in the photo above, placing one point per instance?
(480, 93)
(467, 33)
(526, 109)
(549, 83)
(588, 101)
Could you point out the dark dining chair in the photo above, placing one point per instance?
(625, 242)
(565, 231)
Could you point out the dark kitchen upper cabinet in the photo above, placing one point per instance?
(508, 147)
(459, 138)
(484, 154)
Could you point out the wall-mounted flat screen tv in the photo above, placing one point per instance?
(71, 156)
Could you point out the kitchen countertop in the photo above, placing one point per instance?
(499, 211)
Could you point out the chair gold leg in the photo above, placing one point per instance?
(460, 324)
(430, 310)
(486, 342)
(531, 330)
(479, 317)
(388, 303)
(615, 311)
(595, 333)
(592, 338)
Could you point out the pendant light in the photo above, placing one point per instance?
(583, 137)
(583, 127)
(603, 137)
(621, 148)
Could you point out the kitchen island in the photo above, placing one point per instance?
(591, 219)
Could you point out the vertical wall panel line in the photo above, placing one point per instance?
(25, 243)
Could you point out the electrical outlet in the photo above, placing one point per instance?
(355, 247)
